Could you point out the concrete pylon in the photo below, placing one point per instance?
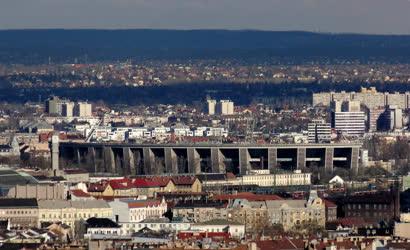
(194, 161)
(272, 158)
(129, 162)
(301, 158)
(171, 161)
(329, 153)
(354, 161)
(217, 161)
(55, 143)
(244, 164)
(149, 160)
(109, 159)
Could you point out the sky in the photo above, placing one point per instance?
(339, 16)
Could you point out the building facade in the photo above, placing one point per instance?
(21, 213)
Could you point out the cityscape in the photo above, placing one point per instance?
(171, 131)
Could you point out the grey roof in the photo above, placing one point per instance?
(276, 204)
(9, 178)
(59, 204)
(18, 203)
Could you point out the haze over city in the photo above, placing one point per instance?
(338, 16)
(204, 124)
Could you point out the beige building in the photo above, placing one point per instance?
(19, 212)
(290, 213)
(46, 191)
(253, 214)
(83, 109)
(69, 212)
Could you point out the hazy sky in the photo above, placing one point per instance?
(359, 16)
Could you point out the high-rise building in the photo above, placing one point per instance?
(392, 119)
(211, 106)
(83, 109)
(347, 120)
(52, 105)
(225, 107)
(319, 132)
(373, 118)
(67, 109)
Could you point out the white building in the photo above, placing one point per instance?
(264, 179)
(158, 224)
(347, 119)
(225, 107)
(132, 210)
(236, 230)
(319, 132)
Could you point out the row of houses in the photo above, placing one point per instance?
(146, 186)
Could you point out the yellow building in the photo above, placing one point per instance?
(70, 212)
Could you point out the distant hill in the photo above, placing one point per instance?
(36, 46)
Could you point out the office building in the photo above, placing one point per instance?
(347, 119)
(319, 131)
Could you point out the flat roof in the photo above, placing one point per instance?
(211, 145)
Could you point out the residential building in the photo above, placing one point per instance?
(101, 226)
(70, 212)
(252, 214)
(211, 107)
(235, 229)
(200, 211)
(133, 210)
(156, 224)
(67, 109)
(319, 132)
(372, 206)
(290, 213)
(83, 109)
(19, 212)
(225, 107)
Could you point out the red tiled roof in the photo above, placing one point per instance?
(148, 182)
(346, 244)
(184, 180)
(144, 203)
(351, 221)
(281, 244)
(121, 184)
(247, 196)
(79, 193)
(97, 187)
